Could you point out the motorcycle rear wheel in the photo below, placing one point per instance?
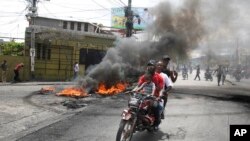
(125, 131)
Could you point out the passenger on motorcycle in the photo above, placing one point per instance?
(158, 81)
(168, 84)
(148, 87)
(171, 74)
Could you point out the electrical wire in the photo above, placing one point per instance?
(48, 11)
(14, 21)
(100, 5)
(117, 4)
(122, 2)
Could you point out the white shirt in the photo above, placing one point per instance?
(166, 80)
(76, 68)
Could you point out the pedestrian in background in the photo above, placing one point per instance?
(224, 74)
(197, 72)
(219, 72)
(76, 70)
(16, 71)
(4, 70)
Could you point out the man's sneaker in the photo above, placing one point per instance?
(156, 128)
(162, 116)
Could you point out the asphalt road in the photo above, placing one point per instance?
(189, 117)
(196, 111)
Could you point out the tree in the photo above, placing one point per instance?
(12, 48)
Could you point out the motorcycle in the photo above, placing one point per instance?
(237, 76)
(208, 76)
(139, 116)
(185, 75)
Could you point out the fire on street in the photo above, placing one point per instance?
(194, 112)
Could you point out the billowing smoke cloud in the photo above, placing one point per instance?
(225, 22)
(173, 32)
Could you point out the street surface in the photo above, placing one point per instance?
(196, 111)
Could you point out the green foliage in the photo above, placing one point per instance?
(12, 48)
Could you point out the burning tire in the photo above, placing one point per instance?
(125, 131)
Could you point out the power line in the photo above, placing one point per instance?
(122, 2)
(48, 10)
(60, 5)
(115, 3)
(13, 21)
(100, 5)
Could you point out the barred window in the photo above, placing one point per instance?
(72, 25)
(79, 28)
(65, 24)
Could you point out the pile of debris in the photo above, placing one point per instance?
(74, 104)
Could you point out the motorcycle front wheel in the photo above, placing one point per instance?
(125, 131)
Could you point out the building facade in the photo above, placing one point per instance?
(58, 44)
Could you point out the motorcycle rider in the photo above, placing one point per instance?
(167, 85)
(184, 72)
(158, 81)
(207, 73)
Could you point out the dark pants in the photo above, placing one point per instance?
(218, 79)
(75, 75)
(223, 79)
(165, 98)
(197, 75)
(157, 112)
(16, 77)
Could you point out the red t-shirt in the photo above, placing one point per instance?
(157, 79)
(18, 67)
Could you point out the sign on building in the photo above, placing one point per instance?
(118, 18)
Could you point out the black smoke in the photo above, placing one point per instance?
(173, 31)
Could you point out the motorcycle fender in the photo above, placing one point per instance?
(126, 115)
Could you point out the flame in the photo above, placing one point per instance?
(115, 89)
(73, 92)
(47, 90)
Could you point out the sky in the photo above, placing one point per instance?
(13, 20)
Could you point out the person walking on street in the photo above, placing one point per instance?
(16, 71)
(197, 73)
(76, 70)
(4, 70)
(219, 74)
(223, 75)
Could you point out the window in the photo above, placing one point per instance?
(79, 26)
(44, 52)
(86, 27)
(38, 51)
(49, 54)
(65, 25)
(72, 25)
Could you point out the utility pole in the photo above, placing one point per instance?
(31, 18)
(129, 22)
